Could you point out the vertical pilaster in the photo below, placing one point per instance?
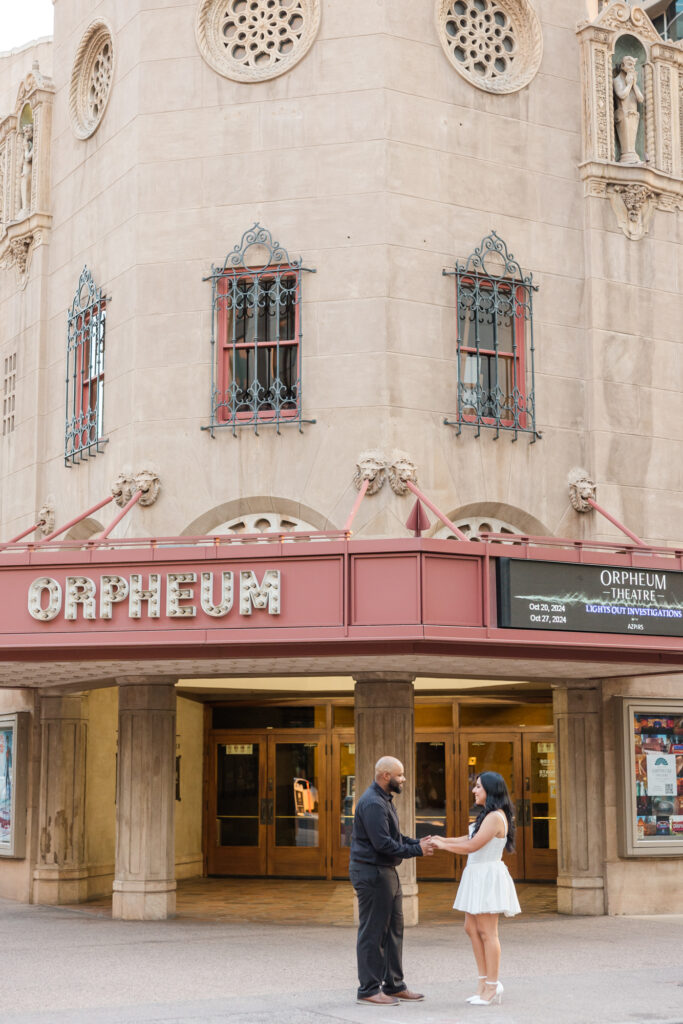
(61, 874)
(578, 727)
(385, 724)
(144, 883)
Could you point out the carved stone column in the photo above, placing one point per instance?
(61, 874)
(144, 882)
(578, 726)
(385, 724)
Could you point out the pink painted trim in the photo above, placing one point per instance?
(72, 522)
(356, 505)
(615, 522)
(20, 536)
(117, 519)
(444, 519)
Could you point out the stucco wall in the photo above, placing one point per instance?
(374, 161)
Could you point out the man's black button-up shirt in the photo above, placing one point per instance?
(376, 837)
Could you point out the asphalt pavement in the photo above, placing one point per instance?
(63, 966)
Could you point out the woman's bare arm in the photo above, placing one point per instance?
(490, 827)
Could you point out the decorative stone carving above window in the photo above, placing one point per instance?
(253, 40)
(263, 522)
(495, 45)
(91, 79)
(25, 173)
(474, 526)
(632, 116)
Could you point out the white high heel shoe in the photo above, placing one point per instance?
(496, 997)
(480, 977)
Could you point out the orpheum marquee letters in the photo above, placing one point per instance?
(47, 598)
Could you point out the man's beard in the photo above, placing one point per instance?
(394, 786)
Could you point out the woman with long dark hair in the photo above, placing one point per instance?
(486, 889)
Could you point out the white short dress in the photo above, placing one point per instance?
(486, 886)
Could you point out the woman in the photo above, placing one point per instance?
(486, 889)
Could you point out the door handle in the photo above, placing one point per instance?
(270, 811)
(263, 815)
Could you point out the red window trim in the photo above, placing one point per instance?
(85, 323)
(516, 357)
(225, 345)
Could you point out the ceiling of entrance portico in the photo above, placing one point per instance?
(90, 674)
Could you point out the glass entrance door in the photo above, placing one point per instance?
(540, 807)
(237, 820)
(527, 763)
(434, 801)
(502, 754)
(265, 796)
(343, 801)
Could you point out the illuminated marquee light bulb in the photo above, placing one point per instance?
(138, 595)
(175, 594)
(54, 605)
(79, 590)
(227, 590)
(112, 590)
(260, 594)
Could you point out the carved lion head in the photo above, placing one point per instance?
(581, 488)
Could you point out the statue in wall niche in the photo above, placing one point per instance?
(27, 168)
(626, 114)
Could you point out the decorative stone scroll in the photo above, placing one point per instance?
(632, 116)
(254, 40)
(496, 45)
(91, 79)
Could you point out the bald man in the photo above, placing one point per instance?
(377, 847)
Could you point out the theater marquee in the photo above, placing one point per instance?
(589, 598)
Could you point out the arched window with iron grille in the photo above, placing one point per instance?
(256, 336)
(85, 371)
(495, 342)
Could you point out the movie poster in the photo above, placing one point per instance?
(658, 767)
(6, 749)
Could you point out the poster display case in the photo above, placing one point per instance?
(650, 743)
(13, 769)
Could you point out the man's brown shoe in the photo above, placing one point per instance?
(407, 994)
(379, 999)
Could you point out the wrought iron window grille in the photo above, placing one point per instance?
(256, 335)
(85, 372)
(495, 342)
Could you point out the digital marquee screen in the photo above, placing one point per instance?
(589, 598)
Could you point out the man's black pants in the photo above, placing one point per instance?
(380, 933)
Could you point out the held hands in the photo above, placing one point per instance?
(427, 845)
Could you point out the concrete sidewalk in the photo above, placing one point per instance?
(69, 967)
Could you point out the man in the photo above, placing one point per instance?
(377, 846)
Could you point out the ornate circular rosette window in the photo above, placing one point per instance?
(252, 40)
(495, 44)
(91, 79)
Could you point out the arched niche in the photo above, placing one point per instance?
(85, 530)
(259, 512)
(26, 116)
(627, 45)
(496, 514)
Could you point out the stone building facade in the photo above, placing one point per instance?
(393, 176)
